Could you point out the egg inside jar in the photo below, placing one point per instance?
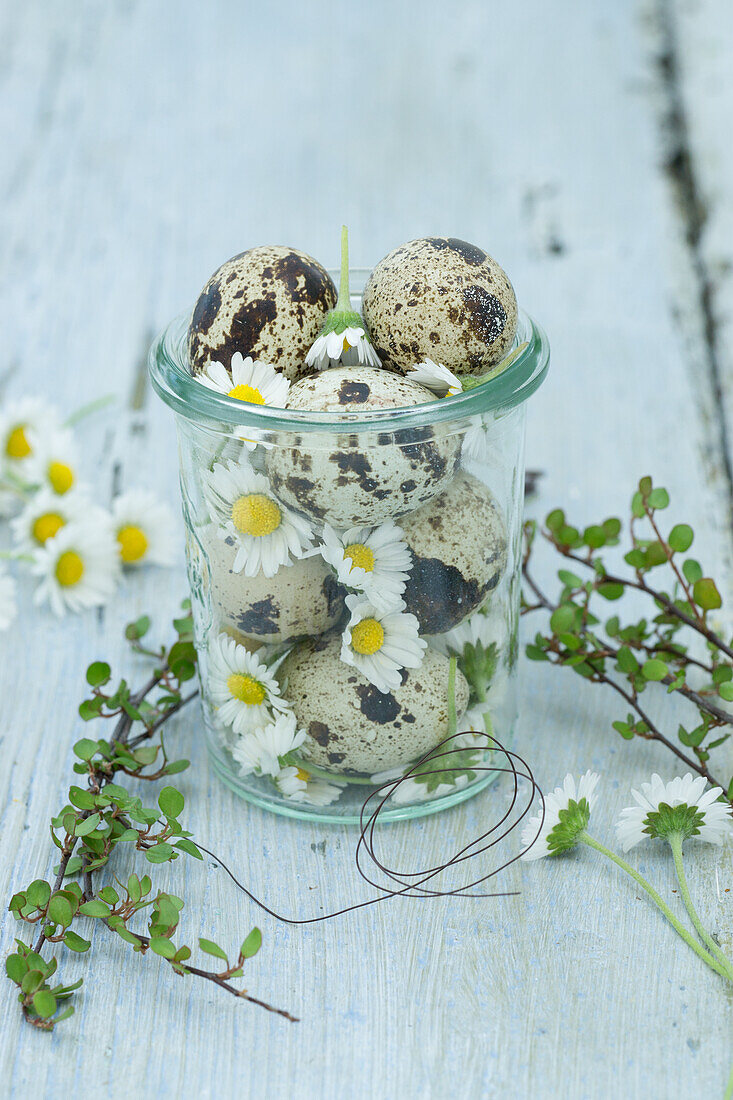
(353, 484)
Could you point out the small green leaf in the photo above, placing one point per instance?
(555, 520)
(654, 669)
(252, 944)
(76, 943)
(725, 691)
(161, 853)
(563, 618)
(16, 968)
(44, 1003)
(595, 537)
(94, 908)
(658, 499)
(626, 660)
(38, 893)
(188, 847)
(680, 537)
(161, 946)
(83, 800)
(87, 825)
(85, 748)
(98, 673)
(212, 948)
(138, 629)
(571, 580)
(171, 802)
(60, 910)
(706, 595)
(692, 570)
(176, 766)
(90, 708)
(610, 591)
(635, 558)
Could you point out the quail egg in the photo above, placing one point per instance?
(353, 727)
(440, 298)
(269, 302)
(458, 543)
(354, 479)
(302, 598)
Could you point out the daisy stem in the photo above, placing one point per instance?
(86, 410)
(343, 305)
(15, 555)
(706, 957)
(729, 1087)
(675, 843)
(452, 720)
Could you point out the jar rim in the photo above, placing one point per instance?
(171, 379)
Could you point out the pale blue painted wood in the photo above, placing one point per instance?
(144, 144)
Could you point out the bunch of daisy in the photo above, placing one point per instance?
(684, 810)
(74, 548)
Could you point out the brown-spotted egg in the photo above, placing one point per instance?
(443, 299)
(269, 302)
(352, 479)
(353, 727)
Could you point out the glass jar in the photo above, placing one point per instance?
(320, 679)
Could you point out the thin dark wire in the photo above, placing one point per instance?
(366, 842)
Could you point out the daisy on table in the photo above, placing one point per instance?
(566, 815)
(261, 750)
(248, 380)
(243, 690)
(8, 603)
(145, 529)
(372, 560)
(19, 420)
(55, 461)
(78, 568)
(46, 513)
(436, 378)
(244, 507)
(298, 785)
(380, 643)
(682, 806)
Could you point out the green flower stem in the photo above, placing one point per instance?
(86, 410)
(675, 843)
(452, 719)
(343, 305)
(729, 1087)
(15, 555)
(712, 962)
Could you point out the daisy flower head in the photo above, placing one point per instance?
(343, 338)
(681, 807)
(436, 378)
(380, 643)
(19, 422)
(8, 602)
(372, 560)
(243, 690)
(145, 529)
(567, 812)
(298, 785)
(262, 750)
(55, 461)
(244, 507)
(78, 567)
(46, 513)
(249, 380)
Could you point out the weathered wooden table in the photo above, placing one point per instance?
(586, 146)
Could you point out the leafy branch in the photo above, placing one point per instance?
(102, 815)
(674, 646)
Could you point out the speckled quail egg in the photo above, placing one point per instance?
(301, 599)
(355, 480)
(440, 298)
(269, 302)
(352, 726)
(459, 551)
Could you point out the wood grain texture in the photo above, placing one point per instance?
(145, 143)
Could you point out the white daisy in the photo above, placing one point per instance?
(19, 420)
(248, 380)
(298, 786)
(145, 529)
(242, 689)
(412, 791)
(557, 834)
(381, 643)
(373, 560)
(267, 534)
(682, 806)
(78, 568)
(261, 751)
(45, 515)
(343, 338)
(55, 461)
(436, 378)
(8, 602)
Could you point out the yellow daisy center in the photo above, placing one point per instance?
(362, 557)
(133, 543)
(256, 515)
(367, 637)
(301, 775)
(46, 526)
(246, 689)
(247, 393)
(61, 477)
(347, 345)
(17, 445)
(69, 569)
